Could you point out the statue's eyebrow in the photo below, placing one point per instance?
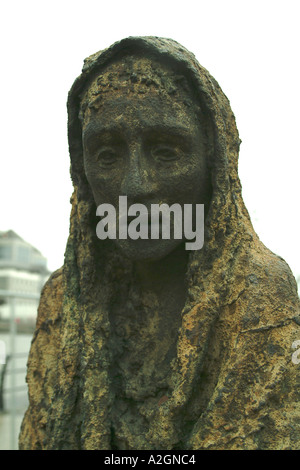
(93, 129)
(167, 129)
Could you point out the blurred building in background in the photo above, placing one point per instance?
(23, 270)
(23, 273)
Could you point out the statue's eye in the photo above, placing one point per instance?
(107, 157)
(164, 153)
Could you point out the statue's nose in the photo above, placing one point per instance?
(137, 184)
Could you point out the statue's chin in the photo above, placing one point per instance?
(148, 250)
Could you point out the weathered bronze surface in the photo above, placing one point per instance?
(140, 344)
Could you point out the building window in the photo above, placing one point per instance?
(23, 254)
(5, 252)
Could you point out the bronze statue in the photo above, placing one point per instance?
(142, 344)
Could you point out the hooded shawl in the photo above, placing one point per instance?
(234, 384)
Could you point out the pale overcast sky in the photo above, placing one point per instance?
(250, 47)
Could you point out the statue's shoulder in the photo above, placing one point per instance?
(272, 278)
(50, 305)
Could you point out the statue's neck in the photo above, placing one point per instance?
(165, 277)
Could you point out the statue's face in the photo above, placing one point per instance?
(149, 147)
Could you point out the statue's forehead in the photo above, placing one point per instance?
(133, 71)
(135, 77)
(122, 114)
